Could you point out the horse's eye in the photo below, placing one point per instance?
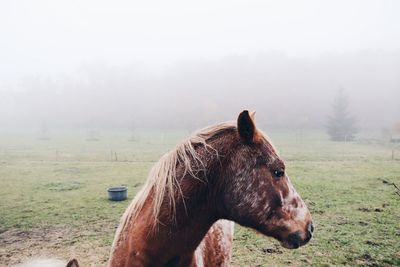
(278, 174)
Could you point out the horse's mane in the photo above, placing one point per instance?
(163, 179)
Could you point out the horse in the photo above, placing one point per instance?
(184, 214)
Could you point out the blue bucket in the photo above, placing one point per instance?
(117, 193)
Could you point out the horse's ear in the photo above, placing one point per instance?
(72, 263)
(253, 116)
(246, 126)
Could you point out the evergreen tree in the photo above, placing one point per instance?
(341, 125)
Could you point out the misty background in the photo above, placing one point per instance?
(184, 64)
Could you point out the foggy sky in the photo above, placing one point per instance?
(189, 63)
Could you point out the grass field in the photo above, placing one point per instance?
(53, 200)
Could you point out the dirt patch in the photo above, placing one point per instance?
(370, 210)
(371, 243)
(62, 242)
(365, 209)
(274, 249)
(343, 220)
(363, 223)
(63, 186)
(367, 260)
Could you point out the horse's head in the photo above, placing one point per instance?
(257, 191)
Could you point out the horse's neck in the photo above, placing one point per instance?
(170, 244)
(174, 241)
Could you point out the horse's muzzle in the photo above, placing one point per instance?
(295, 239)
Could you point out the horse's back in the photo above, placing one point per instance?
(216, 247)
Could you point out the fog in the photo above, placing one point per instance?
(184, 64)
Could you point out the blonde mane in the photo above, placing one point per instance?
(162, 180)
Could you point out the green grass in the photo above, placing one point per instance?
(55, 192)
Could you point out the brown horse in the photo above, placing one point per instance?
(183, 215)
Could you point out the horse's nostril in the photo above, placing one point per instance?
(308, 237)
(310, 227)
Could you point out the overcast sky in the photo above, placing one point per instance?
(42, 37)
(100, 62)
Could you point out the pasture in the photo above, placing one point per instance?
(53, 200)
